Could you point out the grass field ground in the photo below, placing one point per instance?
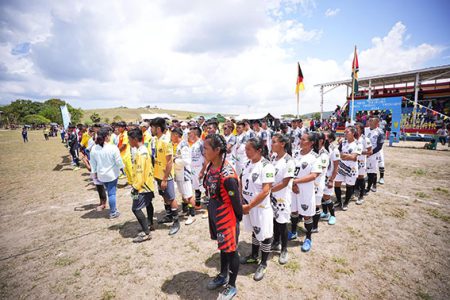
(55, 246)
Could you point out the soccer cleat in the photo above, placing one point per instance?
(315, 230)
(344, 207)
(114, 215)
(228, 293)
(190, 220)
(332, 220)
(381, 181)
(324, 216)
(248, 260)
(174, 228)
(283, 259)
(373, 189)
(142, 237)
(360, 201)
(166, 219)
(306, 245)
(218, 281)
(260, 271)
(275, 247)
(292, 235)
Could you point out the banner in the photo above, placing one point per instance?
(65, 116)
(393, 104)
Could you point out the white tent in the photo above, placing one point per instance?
(256, 116)
(154, 116)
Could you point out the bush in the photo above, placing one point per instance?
(35, 120)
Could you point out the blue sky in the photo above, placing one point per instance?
(211, 56)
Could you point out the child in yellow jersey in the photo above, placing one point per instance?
(164, 173)
(146, 135)
(142, 185)
(124, 149)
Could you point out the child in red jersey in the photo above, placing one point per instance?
(225, 212)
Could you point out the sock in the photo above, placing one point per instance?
(331, 208)
(198, 197)
(265, 250)
(233, 263)
(150, 211)
(374, 183)
(381, 172)
(316, 217)
(276, 232)
(324, 206)
(142, 220)
(361, 183)
(167, 208)
(191, 210)
(255, 246)
(184, 207)
(174, 212)
(338, 192)
(294, 222)
(308, 226)
(284, 236)
(223, 264)
(369, 181)
(348, 193)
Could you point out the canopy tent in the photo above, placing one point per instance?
(256, 116)
(154, 116)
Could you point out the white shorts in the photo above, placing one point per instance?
(281, 209)
(362, 167)
(260, 222)
(348, 180)
(328, 191)
(305, 206)
(196, 183)
(185, 189)
(381, 159)
(319, 193)
(372, 164)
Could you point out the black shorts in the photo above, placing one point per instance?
(143, 200)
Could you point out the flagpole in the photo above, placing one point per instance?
(298, 105)
(353, 87)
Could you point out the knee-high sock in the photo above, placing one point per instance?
(150, 211)
(381, 172)
(283, 235)
(348, 193)
(233, 264)
(276, 232)
(294, 222)
(142, 220)
(338, 192)
(265, 250)
(223, 264)
(308, 226)
(255, 246)
(316, 217)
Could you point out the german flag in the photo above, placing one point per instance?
(300, 86)
(355, 70)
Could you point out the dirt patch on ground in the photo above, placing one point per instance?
(397, 245)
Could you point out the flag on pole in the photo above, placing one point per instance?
(300, 86)
(355, 70)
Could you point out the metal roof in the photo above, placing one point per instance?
(396, 78)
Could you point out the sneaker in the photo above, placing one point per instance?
(381, 181)
(315, 230)
(344, 207)
(292, 235)
(283, 259)
(360, 201)
(306, 245)
(218, 281)
(324, 216)
(76, 169)
(114, 215)
(151, 227)
(190, 220)
(366, 192)
(166, 219)
(141, 237)
(275, 247)
(228, 293)
(336, 204)
(174, 228)
(332, 220)
(248, 260)
(373, 189)
(260, 271)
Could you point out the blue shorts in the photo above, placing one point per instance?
(169, 193)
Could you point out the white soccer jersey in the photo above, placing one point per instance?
(305, 202)
(281, 200)
(260, 218)
(182, 162)
(334, 156)
(365, 144)
(197, 155)
(269, 139)
(349, 167)
(319, 183)
(231, 140)
(239, 153)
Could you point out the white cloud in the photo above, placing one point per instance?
(181, 56)
(332, 12)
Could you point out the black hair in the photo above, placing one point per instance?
(159, 122)
(198, 131)
(122, 124)
(217, 141)
(101, 136)
(178, 131)
(312, 138)
(246, 121)
(353, 130)
(257, 122)
(240, 123)
(213, 123)
(360, 126)
(319, 136)
(258, 144)
(135, 133)
(282, 138)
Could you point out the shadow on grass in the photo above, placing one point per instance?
(130, 228)
(65, 162)
(189, 285)
(93, 214)
(85, 207)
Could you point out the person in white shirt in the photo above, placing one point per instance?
(269, 133)
(349, 123)
(240, 156)
(319, 184)
(198, 160)
(332, 170)
(106, 164)
(256, 184)
(231, 140)
(366, 147)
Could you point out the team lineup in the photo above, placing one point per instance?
(247, 172)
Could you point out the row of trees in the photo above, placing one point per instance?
(37, 113)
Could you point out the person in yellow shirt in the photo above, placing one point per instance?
(146, 135)
(164, 173)
(142, 185)
(124, 149)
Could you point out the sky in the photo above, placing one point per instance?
(211, 56)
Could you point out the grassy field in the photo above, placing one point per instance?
(134, 114)
(55, 246)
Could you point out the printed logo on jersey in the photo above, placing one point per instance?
(304, 165)
(220, 237)
(255, 176)
(256, 229)
(231, 193)
(304, 207)
(269, 175)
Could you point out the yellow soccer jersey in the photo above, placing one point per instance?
(85, 139)
(163, 149)
(143, 180)
(146, 137)
(123, 140)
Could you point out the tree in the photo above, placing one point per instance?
(95, 117)
(117, 118)
(75, 114)
(316, 116)
(35, 120)
(53, 113)
(106, 120)
(288, 116)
